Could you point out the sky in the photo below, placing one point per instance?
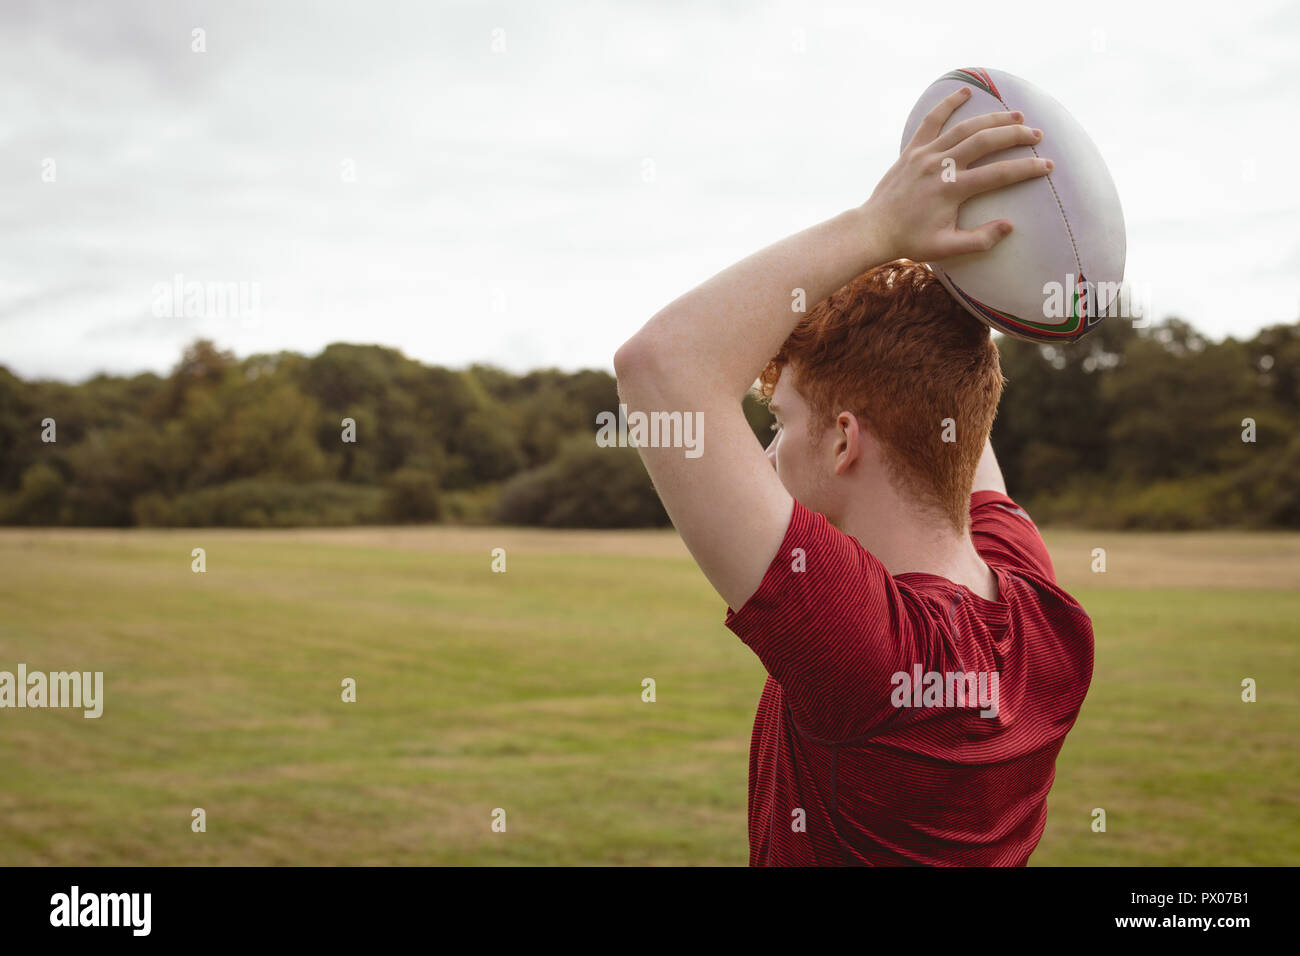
(526, 183)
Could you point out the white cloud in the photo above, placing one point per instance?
(487, 180)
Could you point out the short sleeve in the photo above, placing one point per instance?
(833, 629)
(1004, 532)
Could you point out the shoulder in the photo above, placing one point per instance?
(1005, 535)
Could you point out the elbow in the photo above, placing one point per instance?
(633, 362)
(651, 373)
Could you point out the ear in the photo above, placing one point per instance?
(850, 436)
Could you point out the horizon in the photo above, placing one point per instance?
(467, 366)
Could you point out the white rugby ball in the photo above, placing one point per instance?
(1058, 274)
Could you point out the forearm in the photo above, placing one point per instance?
(717, 338)
(714, 341)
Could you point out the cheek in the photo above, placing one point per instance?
(788, 453)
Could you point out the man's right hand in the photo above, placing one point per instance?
(913, 210)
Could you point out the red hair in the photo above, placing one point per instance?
(894, 348)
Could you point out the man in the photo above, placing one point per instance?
(923, 665)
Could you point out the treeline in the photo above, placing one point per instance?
(356, 434)
(1154, 428)
(1128, 428)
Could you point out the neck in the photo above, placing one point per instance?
(906, 537)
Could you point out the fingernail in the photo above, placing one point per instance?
(1017, 116)
(1050, 164)
(1038, 134)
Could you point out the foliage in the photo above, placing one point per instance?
(586, 486)
(258, 503)
(1128, 428)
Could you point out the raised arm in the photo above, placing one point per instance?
(700, 354)
(988, 475)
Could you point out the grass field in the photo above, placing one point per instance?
(522, 691)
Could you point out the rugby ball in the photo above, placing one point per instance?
(1059, 272)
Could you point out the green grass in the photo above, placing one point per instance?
(523, 691)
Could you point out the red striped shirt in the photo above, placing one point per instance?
(840, 773)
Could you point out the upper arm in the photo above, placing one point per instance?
(988, 474)
(722, 495)
(1000, 528)
(1003, 530)
(835, 630)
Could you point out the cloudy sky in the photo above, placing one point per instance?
(525, 183)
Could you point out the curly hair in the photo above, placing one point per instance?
(894, 348)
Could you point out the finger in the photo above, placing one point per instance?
(993, 141)
(980, 239)
(996, 175)
(935, 119)
(967, 127)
